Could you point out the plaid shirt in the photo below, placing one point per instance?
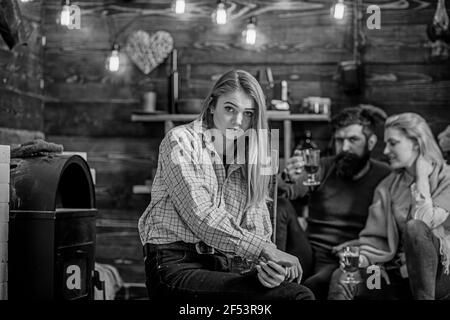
(194, 198)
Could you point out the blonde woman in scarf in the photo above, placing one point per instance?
(409, 216)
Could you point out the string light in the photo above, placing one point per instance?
(220, 14)
(180, 6)
(113, 61)
(338, 10)
(250, 32)
(65, 14)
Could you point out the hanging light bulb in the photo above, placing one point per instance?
(221, 13)
(113, 61)
(250, 32)
(180, 6)
(338, 10)
(65, 14)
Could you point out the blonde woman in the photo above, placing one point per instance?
(409, 216)
(208, 215)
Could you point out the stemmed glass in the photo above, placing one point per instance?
(311, 157)
(349, 264)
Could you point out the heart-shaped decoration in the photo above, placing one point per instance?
(148, 51)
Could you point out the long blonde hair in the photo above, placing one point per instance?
(258, 146)
(416, 128)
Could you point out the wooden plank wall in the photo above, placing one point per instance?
(90, 108)
(21, 72)
(21, 112)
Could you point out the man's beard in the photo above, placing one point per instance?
(349, 164)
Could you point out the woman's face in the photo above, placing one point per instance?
(400, 150)
(233, 114)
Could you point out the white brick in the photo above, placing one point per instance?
(4, 212)
(4, 173)
(3, 252)
(5, 153)
(4, 291)
(3, 232)
(3, 272)
(4, 192)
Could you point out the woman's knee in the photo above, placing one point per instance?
(286, 291)
(304, 293)
(335, 290)
(416, 228)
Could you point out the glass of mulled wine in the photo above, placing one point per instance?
(311, 157)
(349, 264)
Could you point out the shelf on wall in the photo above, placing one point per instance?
(141, 189)
(141, 116)
(273, 115)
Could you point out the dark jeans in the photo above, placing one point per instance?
(186, 275)
(423, 260)
(318, 263)
(427, 280)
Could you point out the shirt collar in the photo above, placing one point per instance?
(199, 126)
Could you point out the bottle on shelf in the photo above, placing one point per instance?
(307, 142)
(280, 96)
(284, 91)
(173, 82)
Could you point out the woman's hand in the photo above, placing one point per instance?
(270, 274)
(363, 261)
(271, 253)
(294, 166)
(423, 167)
(423, 171)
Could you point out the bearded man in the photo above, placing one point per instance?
(338, 207)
